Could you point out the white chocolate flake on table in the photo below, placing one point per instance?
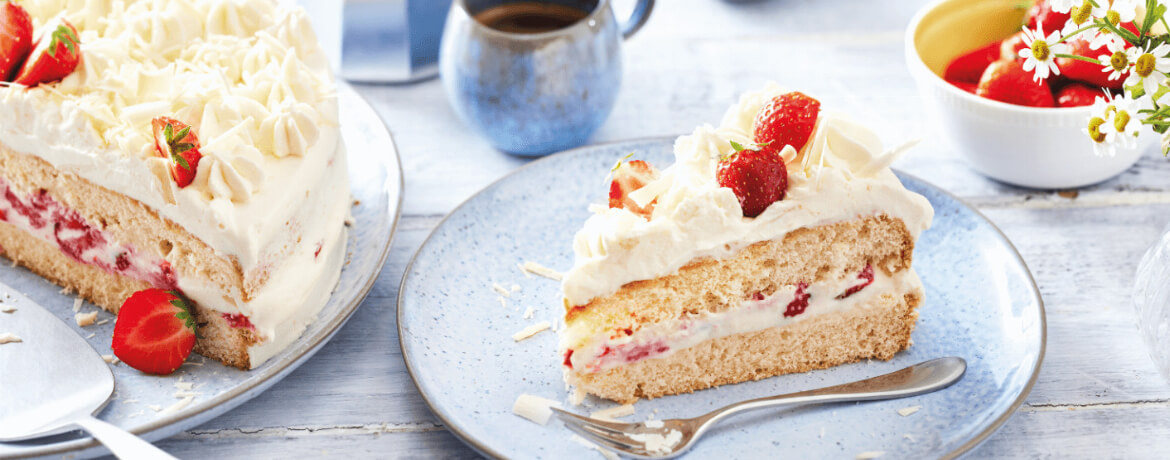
(529, 312)
(500, 290)
(870, 455)
(908, 411)
(530, 331)
(585, 442)
(85, 319)
(8, 309)
(77, 304)
(534, 408)
(613, 413)
(110, 359)
(91, 335)
(908, 437)
(154, 407)
(8, 337)
(178, 406)
(515, 288)
(503, 302)
(104, 321)
(654, 424)
(129, 401)
(540, 270)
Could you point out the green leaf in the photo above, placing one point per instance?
(179, 160)
(182, 134)
(737, 146)
(168, 133)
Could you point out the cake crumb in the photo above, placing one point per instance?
(8, 309)
(529, 312)
(8, 337)
(77, 304)
(870, 455)
(908, 411)
(612, 413)
(585, 442)
(534, 408)
(501, 291)
(530, 331)
(65, 291)
(110, 359)
(655, 423)
(540, 270)
(85, 319)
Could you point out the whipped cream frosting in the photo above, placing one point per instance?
(842, 174)
(252, 81)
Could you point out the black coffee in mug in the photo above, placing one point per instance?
(530, 17)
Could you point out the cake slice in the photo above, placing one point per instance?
(778, 242)
(187, 146)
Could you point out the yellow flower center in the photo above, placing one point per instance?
(1113, 17)
(1095, 129)
(1118, 61)
(1144, 65)
(1120, 120)
(1082, 14)
(1040, 50)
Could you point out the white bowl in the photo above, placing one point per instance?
(1028, 146)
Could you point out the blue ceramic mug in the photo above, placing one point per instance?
(535, 93)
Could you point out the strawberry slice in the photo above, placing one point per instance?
(788, 119)
(628, 177)
(155, 331)
(758, 177)
(969, 66)
(16, 42)
(175, 141)
(55, 55)
(1077, 95)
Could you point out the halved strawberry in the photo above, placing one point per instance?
(969, 66)
(628, 177)
(16, 42)
(1007, 81)
(1077, 95)
(175, 141)
(788, 119)
(758, 177)
(55, 55)
(155, 331)
(1041, 13)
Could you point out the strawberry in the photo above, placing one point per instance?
(1007, 81)
(1041, 13)
(175, 141)
(964, 85)
(15, 39)
(155, 331)
(1009, 49)
(788, 119)
(970, 65)
(55, 55)
(1087, 72)
(628, 177)
(1076, 95)
(758, 177)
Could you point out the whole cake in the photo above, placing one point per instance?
(187, 146)
(778, 242)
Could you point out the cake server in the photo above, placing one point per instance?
(52, 381)
(670, 438)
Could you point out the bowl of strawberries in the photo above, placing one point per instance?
(1011, 126)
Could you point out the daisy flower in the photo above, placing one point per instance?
(1149, 67)
(1078, 16)
(1063, 6)
(1117, 11)
(1117, 63)
(1041, 52)
(1113, 124)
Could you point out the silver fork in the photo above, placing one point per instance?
(670, 438)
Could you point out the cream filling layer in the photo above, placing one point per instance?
(842, 174)
(614, 348)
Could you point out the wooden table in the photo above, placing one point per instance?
(1098, 395)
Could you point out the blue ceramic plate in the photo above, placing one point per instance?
(981, 304)
(375, 178)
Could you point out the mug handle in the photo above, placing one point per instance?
(637, 19)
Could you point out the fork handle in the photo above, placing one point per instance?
(920, 378)
(121, 443)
